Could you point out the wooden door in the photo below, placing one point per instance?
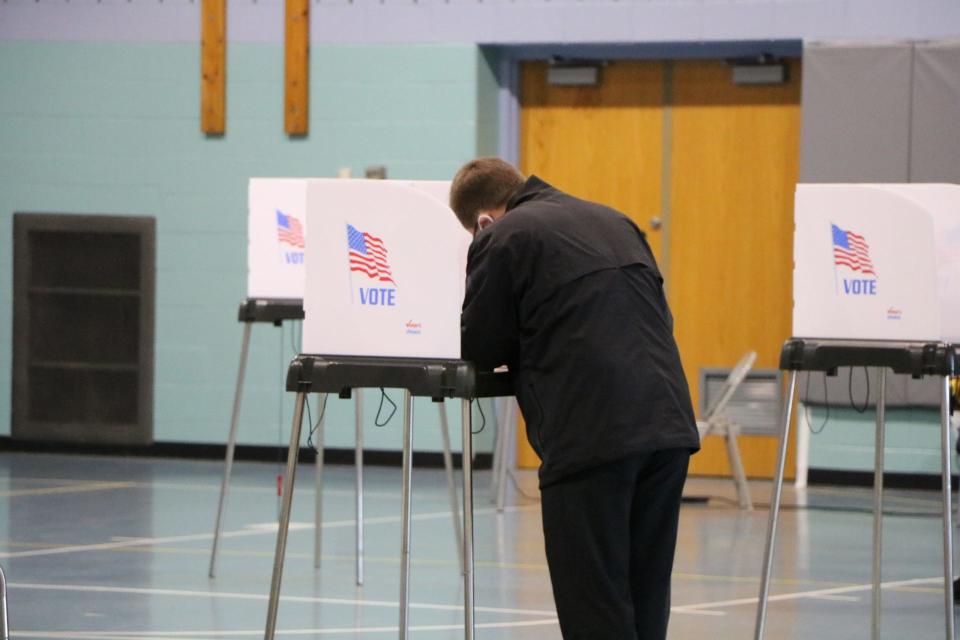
(718, 163)
(602, 143)
(734, 164)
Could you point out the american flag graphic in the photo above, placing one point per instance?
(368, 255)
(289, 230)
(851, 250)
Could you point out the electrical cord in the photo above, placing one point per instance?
(293, 338)
(483, 418)
(384, 396)
(866, 401)
(280, 428)
(280, 407)
(314, 425)
(826, 402)
(306, 402)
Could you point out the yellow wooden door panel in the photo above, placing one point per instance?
(526, 457)
(734, 166)
(733, 162)
(602, 143)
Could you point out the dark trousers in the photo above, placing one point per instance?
(610, 535)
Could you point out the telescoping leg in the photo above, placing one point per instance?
(451, 483)
(945, 453)
(736, 464)
(284, 527)
(4, 622)
(318, 482)
(231, 445)
(467, 421)
(358, 462)
(405, 516)
(497, 438)
(774, 510)
(508, 429)
(878, 503)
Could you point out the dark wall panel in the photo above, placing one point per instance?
(935, 135)
(83, 326)
(856, 112)
(879, 112)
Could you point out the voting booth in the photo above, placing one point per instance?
(276, 272)
(877, 262)
(385, 263)
(876, 284)
(277, 251)
(385, 267)
(276, 237)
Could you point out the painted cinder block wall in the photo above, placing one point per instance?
(113, 128)
(99, 113)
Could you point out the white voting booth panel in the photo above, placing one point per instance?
(385, 269)
(276, 231)
(877, 262)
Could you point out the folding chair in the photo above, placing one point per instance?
(504, 457)
(717, 422)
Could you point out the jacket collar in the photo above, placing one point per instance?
(530, 189)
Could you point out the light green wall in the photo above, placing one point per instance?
(113, 128)
(488, 63)
(847, 441)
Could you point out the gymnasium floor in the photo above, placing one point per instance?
(102, 548)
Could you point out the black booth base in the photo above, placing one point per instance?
(422, 459)
(435, 378)
(845, 478)
(274, 310)
(252, 453)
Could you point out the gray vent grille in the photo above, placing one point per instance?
(755, 405)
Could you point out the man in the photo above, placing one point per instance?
(567, 294)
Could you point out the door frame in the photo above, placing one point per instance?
(510, 57)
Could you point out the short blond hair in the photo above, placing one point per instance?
(481, 185)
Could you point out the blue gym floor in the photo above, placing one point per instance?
(105, 548)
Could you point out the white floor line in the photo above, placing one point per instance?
(140, 542)
(263, 597)
(817, 593)
(135, 542)
(206, 635)
(267, 488)
(271, 490)
(65, 488)
(88, 635)
(697, 612)
(838, 598)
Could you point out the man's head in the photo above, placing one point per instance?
(480, 191)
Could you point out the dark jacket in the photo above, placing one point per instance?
(568, 295)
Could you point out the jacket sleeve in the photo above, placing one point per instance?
(659, 277)
(489, 328)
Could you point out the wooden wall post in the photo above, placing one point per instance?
(213, 65)
(296, 108)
